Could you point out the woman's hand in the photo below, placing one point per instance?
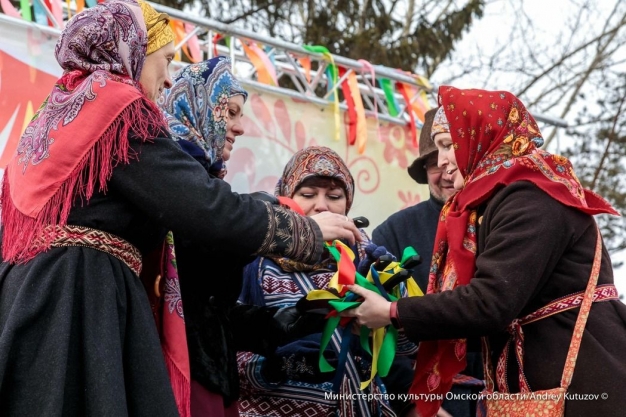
(373, 311)
(335, 226)
(443, 413)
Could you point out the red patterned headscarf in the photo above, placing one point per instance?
(496, 142)
(315, 161)
(80, 132)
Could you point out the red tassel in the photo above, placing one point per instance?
(25, 236)
(180, 385)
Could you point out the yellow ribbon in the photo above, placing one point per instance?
(383, 339)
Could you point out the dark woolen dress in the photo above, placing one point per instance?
(77, 334)
(216, 326)
(531, 251)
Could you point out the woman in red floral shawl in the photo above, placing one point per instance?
(518, 235)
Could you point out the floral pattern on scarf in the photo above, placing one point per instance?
(108, 42)
(496, 142)
(196, 107)
(315, 161)
(81, 131)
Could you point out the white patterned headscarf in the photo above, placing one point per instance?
(196, 107)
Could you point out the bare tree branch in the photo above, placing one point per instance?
(612, 134)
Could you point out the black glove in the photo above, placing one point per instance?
(264, 196)
(295, 325)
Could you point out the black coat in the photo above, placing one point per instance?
(77, 334)
(211, 280)
(531, 251)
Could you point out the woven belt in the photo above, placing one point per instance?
(606, 292)
(69, 235)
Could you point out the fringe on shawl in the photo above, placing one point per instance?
(180, 385)
(23, 236)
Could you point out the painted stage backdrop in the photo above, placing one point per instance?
(275, 127)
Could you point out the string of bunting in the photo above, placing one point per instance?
(337, 299)
(416, 100)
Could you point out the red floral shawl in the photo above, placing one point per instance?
(80, 132)
(496, 142)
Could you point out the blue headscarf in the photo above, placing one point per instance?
(196, 107)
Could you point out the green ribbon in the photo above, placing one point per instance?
(387, 349)
(333, 73)
(407, 253)
(387, 88)
(25, 8)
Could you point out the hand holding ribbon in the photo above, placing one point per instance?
(373, 311)
(341, 301)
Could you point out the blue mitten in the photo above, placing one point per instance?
(373, 252)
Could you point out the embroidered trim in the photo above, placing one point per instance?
(271, 231)
(69, 235)
(606, 292)
(602, 293)
(283, 225)
(592, 294)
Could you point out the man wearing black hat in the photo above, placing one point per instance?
(416, 225)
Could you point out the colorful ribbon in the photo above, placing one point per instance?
(9, 9)
(383, 339)
(392, 104)
(351, 113)
(367, 67)
(416, 104)
(190, 48)
(216, 39)
(306, 65)
(357, 124)
(56, 7)
(402, 88)
(25, 9)
(266, 72)
(332, 77)
(40, 13)
(288, 202)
